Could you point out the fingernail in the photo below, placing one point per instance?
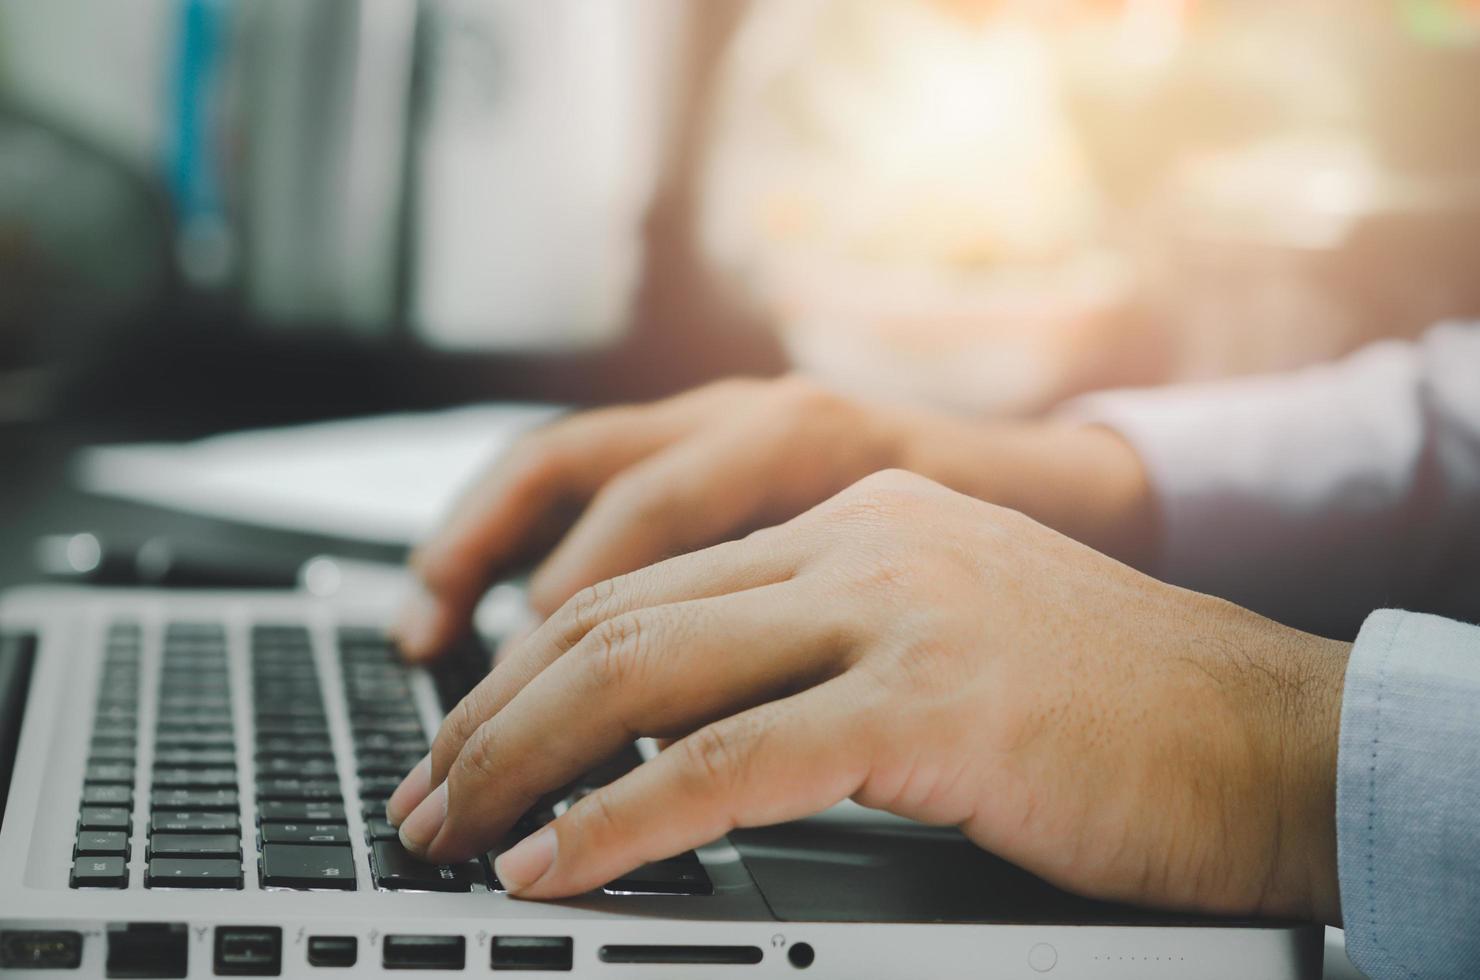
(416, 624)
(425, 821)
(527, 861)
(413, 789)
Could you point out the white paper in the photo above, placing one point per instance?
(386, 479)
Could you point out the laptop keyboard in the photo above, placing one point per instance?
(299, 829)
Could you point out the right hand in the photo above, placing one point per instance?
(613, 490)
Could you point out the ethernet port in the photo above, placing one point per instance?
(148, 951)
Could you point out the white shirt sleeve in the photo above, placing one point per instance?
(1318, 496)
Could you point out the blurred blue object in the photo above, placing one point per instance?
(204, 238)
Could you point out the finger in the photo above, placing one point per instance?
(763, 558)
(696, 492)
(658, 671)
(525, 501)
(780, 761)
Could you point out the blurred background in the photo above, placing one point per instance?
(217, 214)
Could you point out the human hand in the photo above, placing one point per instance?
(620, 488)
(923, 652)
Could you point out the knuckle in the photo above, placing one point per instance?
(595, 815)
(584, 611)
(442, 566)
(714, 756)
(476, 763)
(638, 498)
(615, 651)
(893, 480)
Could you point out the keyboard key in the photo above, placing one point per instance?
(193, 822)
(314, 768)
(194, 799)
(382, 786)
(193, 873)
(120, 774)
(102, 843)
(211, 758)
(99, 872)
(396, 869)
(286, 747)
(102, 755)
(199, 743)
(682, 875)
(401, 728)
(195, 845)
(104, 818)
(108, 795)
(396, 764)
(308, 866)
(298, 811)
(379, 828)
(281, 788)
(305, 833)
(293, 728)
(378, 742)
(193, 778)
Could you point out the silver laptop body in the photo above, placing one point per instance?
(116, 856)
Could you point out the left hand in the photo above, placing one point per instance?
(926, 653)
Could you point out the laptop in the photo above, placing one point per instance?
(197, 789)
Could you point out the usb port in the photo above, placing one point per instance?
(424, 952)
(249, 951)
(532, 953)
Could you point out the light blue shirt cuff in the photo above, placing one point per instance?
(1408, 798)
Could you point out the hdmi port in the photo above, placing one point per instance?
(693, 955)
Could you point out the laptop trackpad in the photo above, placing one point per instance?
(851, 864)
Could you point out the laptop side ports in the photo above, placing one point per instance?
(249, 951)
(148, 951)
(551, 953)
(34, 949)
(333, 950)
(424, 952)
(689, 955)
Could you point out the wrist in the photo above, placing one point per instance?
(1287, 687)
(1083, 481)
(1310, 726)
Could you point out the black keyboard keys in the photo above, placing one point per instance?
(299, 811)
(379, 828)
(195, 809)
(166, 872)
(308, 866)
(305, 833)
(105, 819)
(108, 795)
(680, 875)
(300, 805)
(397, 869)
(99, 872)
(193, 822)
(195, 845)
(101, 843)
(224, 800)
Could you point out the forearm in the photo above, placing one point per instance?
(1317, 496)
